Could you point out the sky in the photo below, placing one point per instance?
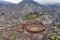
(39, 1)
(1, 0)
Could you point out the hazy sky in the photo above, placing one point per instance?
(40, 1)
(1, 0)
